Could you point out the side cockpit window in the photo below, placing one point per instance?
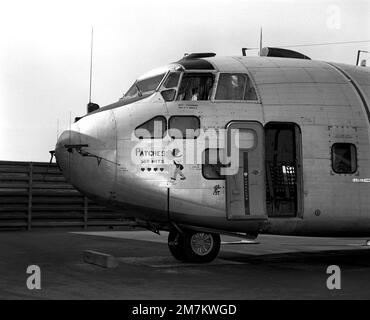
(169, 87)
(235, 86)
(195, 86)
(154, 128)
(172, 80)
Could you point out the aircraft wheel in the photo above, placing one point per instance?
(176, 245)
(201, 247)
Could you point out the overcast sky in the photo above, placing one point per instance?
(45, 48)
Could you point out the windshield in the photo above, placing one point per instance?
(144, 86)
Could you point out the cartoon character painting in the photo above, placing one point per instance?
(176, 154)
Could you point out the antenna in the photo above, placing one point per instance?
(70, 127)
(260, 52)
(91, 106)
(91, 60)
(57, 128)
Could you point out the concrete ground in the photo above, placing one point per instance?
(276, 268)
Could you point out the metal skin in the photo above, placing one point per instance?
(321, 98)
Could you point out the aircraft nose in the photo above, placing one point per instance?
(62, 154)
(86, 154)
(64, 150)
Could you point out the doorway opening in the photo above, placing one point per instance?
(283, 169)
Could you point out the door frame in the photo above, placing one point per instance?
(299, 174)
(259, 147)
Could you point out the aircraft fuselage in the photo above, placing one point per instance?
(303, 159)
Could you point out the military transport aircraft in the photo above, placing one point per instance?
(211, 145)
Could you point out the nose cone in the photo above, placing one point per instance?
(65, 154)
(86, 154)
(62, 154)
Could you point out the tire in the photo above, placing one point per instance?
(176, 245)
(201, 247)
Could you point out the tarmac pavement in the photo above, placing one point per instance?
(275, 268)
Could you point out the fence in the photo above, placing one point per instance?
(35, 194)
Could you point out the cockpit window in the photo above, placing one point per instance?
(144, 86)
(196, 86)
(235, 86)
(172, 80)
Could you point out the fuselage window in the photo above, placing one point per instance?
(235, 86)
(154, 128)
(344, 158)
(144, 87)
(196, 86)
(211, 164)
(184, 127)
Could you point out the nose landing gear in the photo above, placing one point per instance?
(194, 246)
